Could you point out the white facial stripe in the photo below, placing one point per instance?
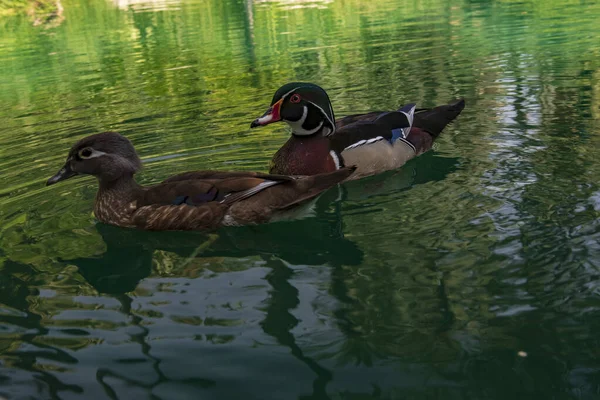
(331, 112)
(304, 115)
(325, 115)
(95, 154)
(297, 125)
(293, 90)
(313, 130)
(299, 131)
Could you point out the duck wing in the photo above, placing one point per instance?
(208, 174)
(194, 204)
(199, 204)
(280, 199)
(432, 120)
(352, 119)
(389, 126)
(196, 192)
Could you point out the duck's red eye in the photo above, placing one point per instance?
(295, 98)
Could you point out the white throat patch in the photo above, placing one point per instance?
(297, 125)
(297, 128)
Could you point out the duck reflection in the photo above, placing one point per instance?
(428, 167)
(130, 254)
(285, 249)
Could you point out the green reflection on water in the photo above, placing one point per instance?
(420, 283)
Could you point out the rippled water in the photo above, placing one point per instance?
(471, 273)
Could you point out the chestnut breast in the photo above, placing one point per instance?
(304, 156)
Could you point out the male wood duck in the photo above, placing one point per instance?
(373, 142)
(196, 200)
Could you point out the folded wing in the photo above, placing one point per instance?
(201, 200)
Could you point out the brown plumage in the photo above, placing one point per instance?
(197, 200)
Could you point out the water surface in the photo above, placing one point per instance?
(471, 273)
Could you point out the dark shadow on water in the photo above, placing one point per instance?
(426, 168)
(279, 322)
(129, 253)
(14, 293)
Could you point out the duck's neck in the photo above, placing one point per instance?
(302, 133)
(114, 198)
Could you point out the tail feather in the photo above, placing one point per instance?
(434, 120)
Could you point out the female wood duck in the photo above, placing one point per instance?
(373, 142)
(190, 201)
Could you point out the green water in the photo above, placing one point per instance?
(471, 273)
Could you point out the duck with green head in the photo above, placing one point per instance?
(373, 142)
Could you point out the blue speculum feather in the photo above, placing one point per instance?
(197, 199)
(203, 198)
(179, 200)
(396, 134)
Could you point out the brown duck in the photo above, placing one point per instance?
(197, 200)
(373, 142)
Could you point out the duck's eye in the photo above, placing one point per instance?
(295, 98)
(85, 153)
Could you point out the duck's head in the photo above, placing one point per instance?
(108, 156)
(304, 106)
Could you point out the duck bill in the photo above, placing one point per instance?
(272, 115)
(65, 173)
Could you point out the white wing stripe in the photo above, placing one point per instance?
(233, 197)
(364, 141)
